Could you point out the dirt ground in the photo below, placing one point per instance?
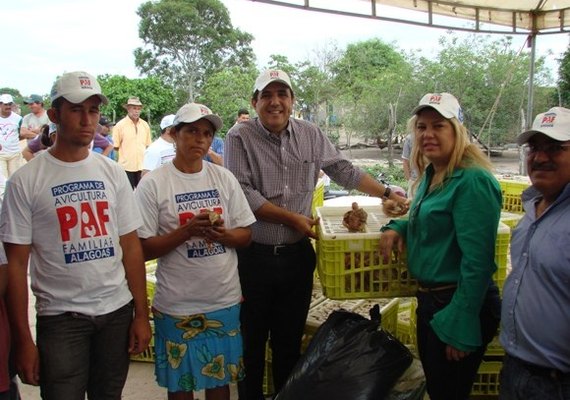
(140, 382)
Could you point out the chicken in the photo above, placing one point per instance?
(355, 219)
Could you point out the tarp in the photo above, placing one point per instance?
(515, 16)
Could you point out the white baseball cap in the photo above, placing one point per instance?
(269, 76)
(192, 112)
(6, 98)
(444, 103)
(167, 120)
(76, 87)
(555, 123)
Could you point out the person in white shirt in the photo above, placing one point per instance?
(161, 150)
(70, 215)
(195, 215)
(10, 153)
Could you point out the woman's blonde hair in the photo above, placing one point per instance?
(464, 155)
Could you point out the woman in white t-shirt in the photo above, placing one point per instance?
(195, 215)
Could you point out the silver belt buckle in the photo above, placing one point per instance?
(276, 249)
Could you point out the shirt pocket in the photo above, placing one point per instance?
(302, 177)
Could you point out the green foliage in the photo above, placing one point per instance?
(563, 81)
(226, 91)
(158, 98)
(477, 70)
(188, 40)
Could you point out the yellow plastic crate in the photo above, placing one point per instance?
(487, 380)
(406, 328)
(510, 219)
(494, 349)
(512, 191)
(502, 254)
(148, 354)
(350, 265)
(150, 290)
(318, 196)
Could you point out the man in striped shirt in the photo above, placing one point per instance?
(277, 160)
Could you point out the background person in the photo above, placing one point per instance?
(198, 293)
(216, 152)
(535, 323)
(33, 122)
(70, 215)
(242, 115)
(41, 142)
(450, 240)
(277, 160)
(105, 126)
(161, 150)
(410, 173)
(10, 152)
(131, 136)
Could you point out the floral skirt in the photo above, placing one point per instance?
(196, 352)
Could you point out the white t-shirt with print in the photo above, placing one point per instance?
(158, 153)
(196, 277)
(10, 134)
(72, 214)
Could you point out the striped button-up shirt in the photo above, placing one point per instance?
(283, 169)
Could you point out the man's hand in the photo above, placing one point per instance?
(139, 335)
(305, 225)
(395, 208)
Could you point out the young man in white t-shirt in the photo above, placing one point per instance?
(73, 216)
(161, 150)
(10, 153)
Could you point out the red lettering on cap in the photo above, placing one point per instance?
(204, 111)
(548, 119)
(85, 81)
(274, 74)
(435, 98)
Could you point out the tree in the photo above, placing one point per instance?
(226, 91)
(488, 77)
(157, 97)
(563, 95)
(371, 76)
(188, 40)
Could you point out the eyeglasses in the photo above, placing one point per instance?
(550, 149)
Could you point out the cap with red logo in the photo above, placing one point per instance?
(76, 87)
(444, 103)
(192, 112)
(269, 76)
(555, 123)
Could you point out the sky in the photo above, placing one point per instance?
(43, 39)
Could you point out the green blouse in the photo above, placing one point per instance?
(450, 238)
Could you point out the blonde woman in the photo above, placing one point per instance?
(450, 239)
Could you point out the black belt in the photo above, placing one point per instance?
(546, 372)
(278, 249)
(438, 287)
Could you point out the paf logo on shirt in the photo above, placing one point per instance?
(189, 205)
(83, 214)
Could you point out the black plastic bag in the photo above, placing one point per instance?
(348, 358)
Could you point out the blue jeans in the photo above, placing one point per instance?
(518, 382)
(452, 380)
(80, 353)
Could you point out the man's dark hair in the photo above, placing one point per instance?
(243, 111)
